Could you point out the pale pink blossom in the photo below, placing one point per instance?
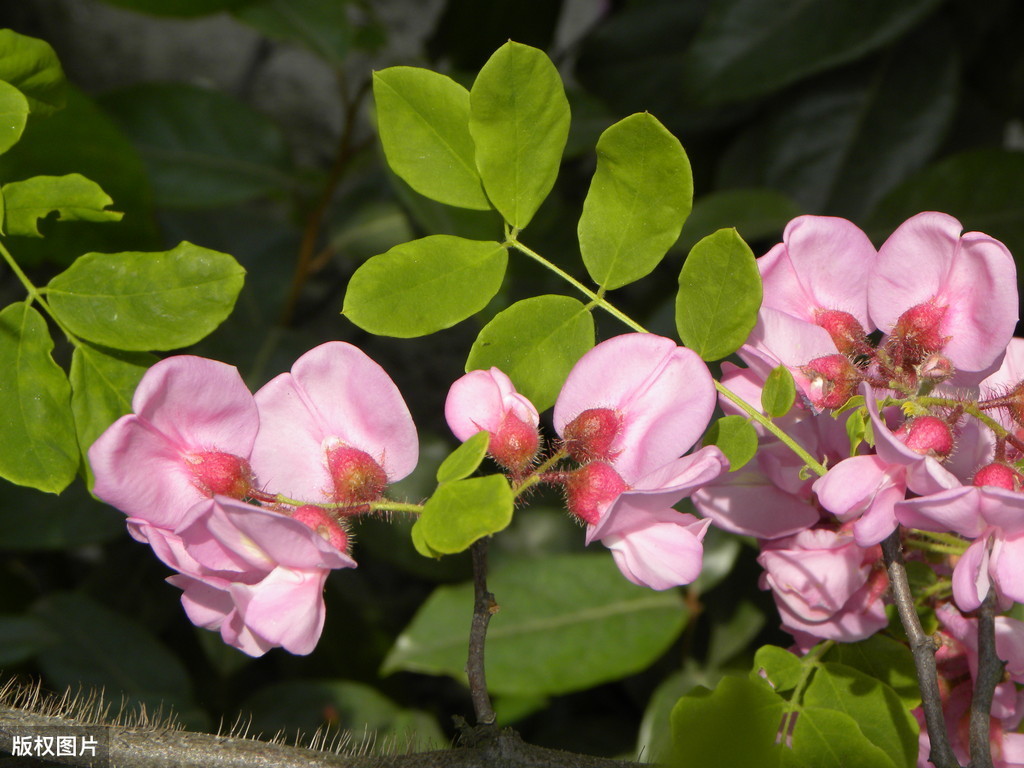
(825, 586)
(190, 436)
(334, 429)
(953, 293)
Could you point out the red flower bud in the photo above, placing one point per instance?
(917, 332)
(515, 444)
(834, 380)
(927, 435)
(998, 475)
(326, 526)
(217, 473)
(846, 332)
(590, 435)
(592, 487)
(357, 477)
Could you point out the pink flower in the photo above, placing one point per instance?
(190, 437)
(254, 574)
(825, 586)
(634, 404)
(488, 401)
(335, 429)
(935, 290)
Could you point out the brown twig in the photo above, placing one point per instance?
(990, 673)
(483, 608)
(923, 648)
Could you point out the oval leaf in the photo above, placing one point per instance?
(639, 198)
(566, 623)
(13, 115)
(145, 301)
(37, 431)
(719, 295)
(73, 197)
(826, 738)
(423, 120)
(464, 460)
(462, 511)
(519, 121)
(202, 147)
(32, 66)
(779, 392)
(535, 342)
(736, 437)
(424, 286)
(884, 659)
(782, 669)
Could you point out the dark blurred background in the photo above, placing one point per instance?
(247, 126)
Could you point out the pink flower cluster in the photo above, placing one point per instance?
(942, 306)
(247, 497)
(628, 411)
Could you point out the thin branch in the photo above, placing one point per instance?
(483, 608)
(923, 648)
(990, 673)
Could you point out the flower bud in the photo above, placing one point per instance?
(845, 330)
(590, 435)
(834, 380)
(326, 526)
(357, 477)
(224, 474)
(591, 488)
(998, 475)
(917, 332)
(936, 369)
(515, 444)
(927, 435)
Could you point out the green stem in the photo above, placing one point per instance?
(810, 664)
(35, 295)
(816, 466)
(595, 299)
(948, 539)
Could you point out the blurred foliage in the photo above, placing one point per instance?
(866, 109)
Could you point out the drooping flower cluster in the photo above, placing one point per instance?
(628, 411)
(910, 390)
(247, 497)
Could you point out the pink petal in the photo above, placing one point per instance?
(665, 552)
(333, 392)
(823, 262)
(285, 609)
(479, 401)
(970, 576)
(664, 393)
(957, 511)
(1007, 568)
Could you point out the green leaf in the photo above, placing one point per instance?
(781, 668)
(303, 706)
(144, 301)
(566, 623)
(719, 295)
(82, 139)
(202, 147)
(73, 197)
(736, 437)
(519, 121)
(834, 146)
(102, 384)
(462, 511)
(96, 648)
(826, 738)
(750, 47)
(37, 432)
(186, 8)
(639, 198)
(464, 460)
(425, 285)
(757, 214)
(779, 393)
(874, 707)
(31, 66)
(884, 659)
(13, 115)
(323, 28)
(423, 120)
(704, 725)
(535, 342)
